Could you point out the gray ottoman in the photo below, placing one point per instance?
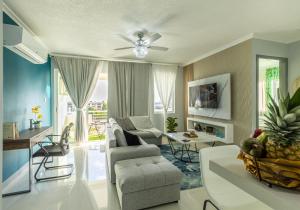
(146, 182)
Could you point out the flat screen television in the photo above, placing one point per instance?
(203, 96)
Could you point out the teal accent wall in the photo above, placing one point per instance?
(24, 85)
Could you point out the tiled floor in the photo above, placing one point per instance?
(88, 189)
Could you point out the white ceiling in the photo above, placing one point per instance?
(190, 28)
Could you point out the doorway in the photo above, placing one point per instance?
(271, 76)
(95, 109)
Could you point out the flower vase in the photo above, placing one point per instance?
(37, 125)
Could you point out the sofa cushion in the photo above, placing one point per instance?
(126, 123)
(141, 122)
(145, 173)
(121, 140)
(131, 139)
(143, 134)
(111, 140)
(120, 137)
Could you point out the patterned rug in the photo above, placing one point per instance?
(192, 176)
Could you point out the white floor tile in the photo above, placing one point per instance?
(88, 189)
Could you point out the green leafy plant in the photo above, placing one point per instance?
(283, 119)
(171, 124)
(295, 100)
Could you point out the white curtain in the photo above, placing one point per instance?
(80, 77)
(164, 78)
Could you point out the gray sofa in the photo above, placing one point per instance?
(142, 176)
(114, 153)
(142, 126)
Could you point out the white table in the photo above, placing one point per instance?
(202, 138)
(186, 145)
(277, 198)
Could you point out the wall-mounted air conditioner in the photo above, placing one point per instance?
(20, 41)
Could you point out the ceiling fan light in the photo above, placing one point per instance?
(140, 51)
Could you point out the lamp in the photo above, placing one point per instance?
(140, 51)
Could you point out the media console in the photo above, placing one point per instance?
(222, 132)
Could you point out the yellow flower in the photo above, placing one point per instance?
(35, 109)
(39, 116)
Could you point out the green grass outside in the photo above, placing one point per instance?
(101, 113)
(97, 137)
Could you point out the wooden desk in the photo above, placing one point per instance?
(233, 171)
(28, 138)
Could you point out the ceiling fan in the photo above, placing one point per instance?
(140, 46)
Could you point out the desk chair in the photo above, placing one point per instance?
(54, 149)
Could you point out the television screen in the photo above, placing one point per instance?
(203, 96)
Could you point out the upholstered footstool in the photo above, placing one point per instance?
(146, 182)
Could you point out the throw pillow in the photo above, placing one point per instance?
(120, 122)
(126, 124)
(141, 122)
(120, 137)
(129, 125)
(131, 139)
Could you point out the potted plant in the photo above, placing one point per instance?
(273, 154)
(36, 110)
(171, 124)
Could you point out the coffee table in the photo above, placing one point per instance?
(186, 142)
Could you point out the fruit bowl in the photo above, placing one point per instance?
(281, 172)
(273, 154)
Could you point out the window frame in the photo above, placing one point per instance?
(283, 81)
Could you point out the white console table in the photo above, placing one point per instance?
(277, 198)
(227, 129)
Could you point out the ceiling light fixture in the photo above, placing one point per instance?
(140, 51)
(141, 46)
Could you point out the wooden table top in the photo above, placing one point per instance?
(25, 139)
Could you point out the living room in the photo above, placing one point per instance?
(127, 105)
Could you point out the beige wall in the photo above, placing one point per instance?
(236, 60)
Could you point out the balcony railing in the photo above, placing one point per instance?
(96, 125)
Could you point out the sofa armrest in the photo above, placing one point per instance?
(130, 152)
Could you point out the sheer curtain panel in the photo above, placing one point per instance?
(164, 78)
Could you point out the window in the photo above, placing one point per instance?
(158, 107)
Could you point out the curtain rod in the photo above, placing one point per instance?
(108, 59)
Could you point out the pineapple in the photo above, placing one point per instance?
(283, 127)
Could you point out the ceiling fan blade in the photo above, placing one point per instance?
(158, 48)
(153, 38)
(123, 48)
(126, 39)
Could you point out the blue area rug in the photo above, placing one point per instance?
(191, 171)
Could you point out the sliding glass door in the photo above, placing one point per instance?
(271, 76)
(96, 109)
